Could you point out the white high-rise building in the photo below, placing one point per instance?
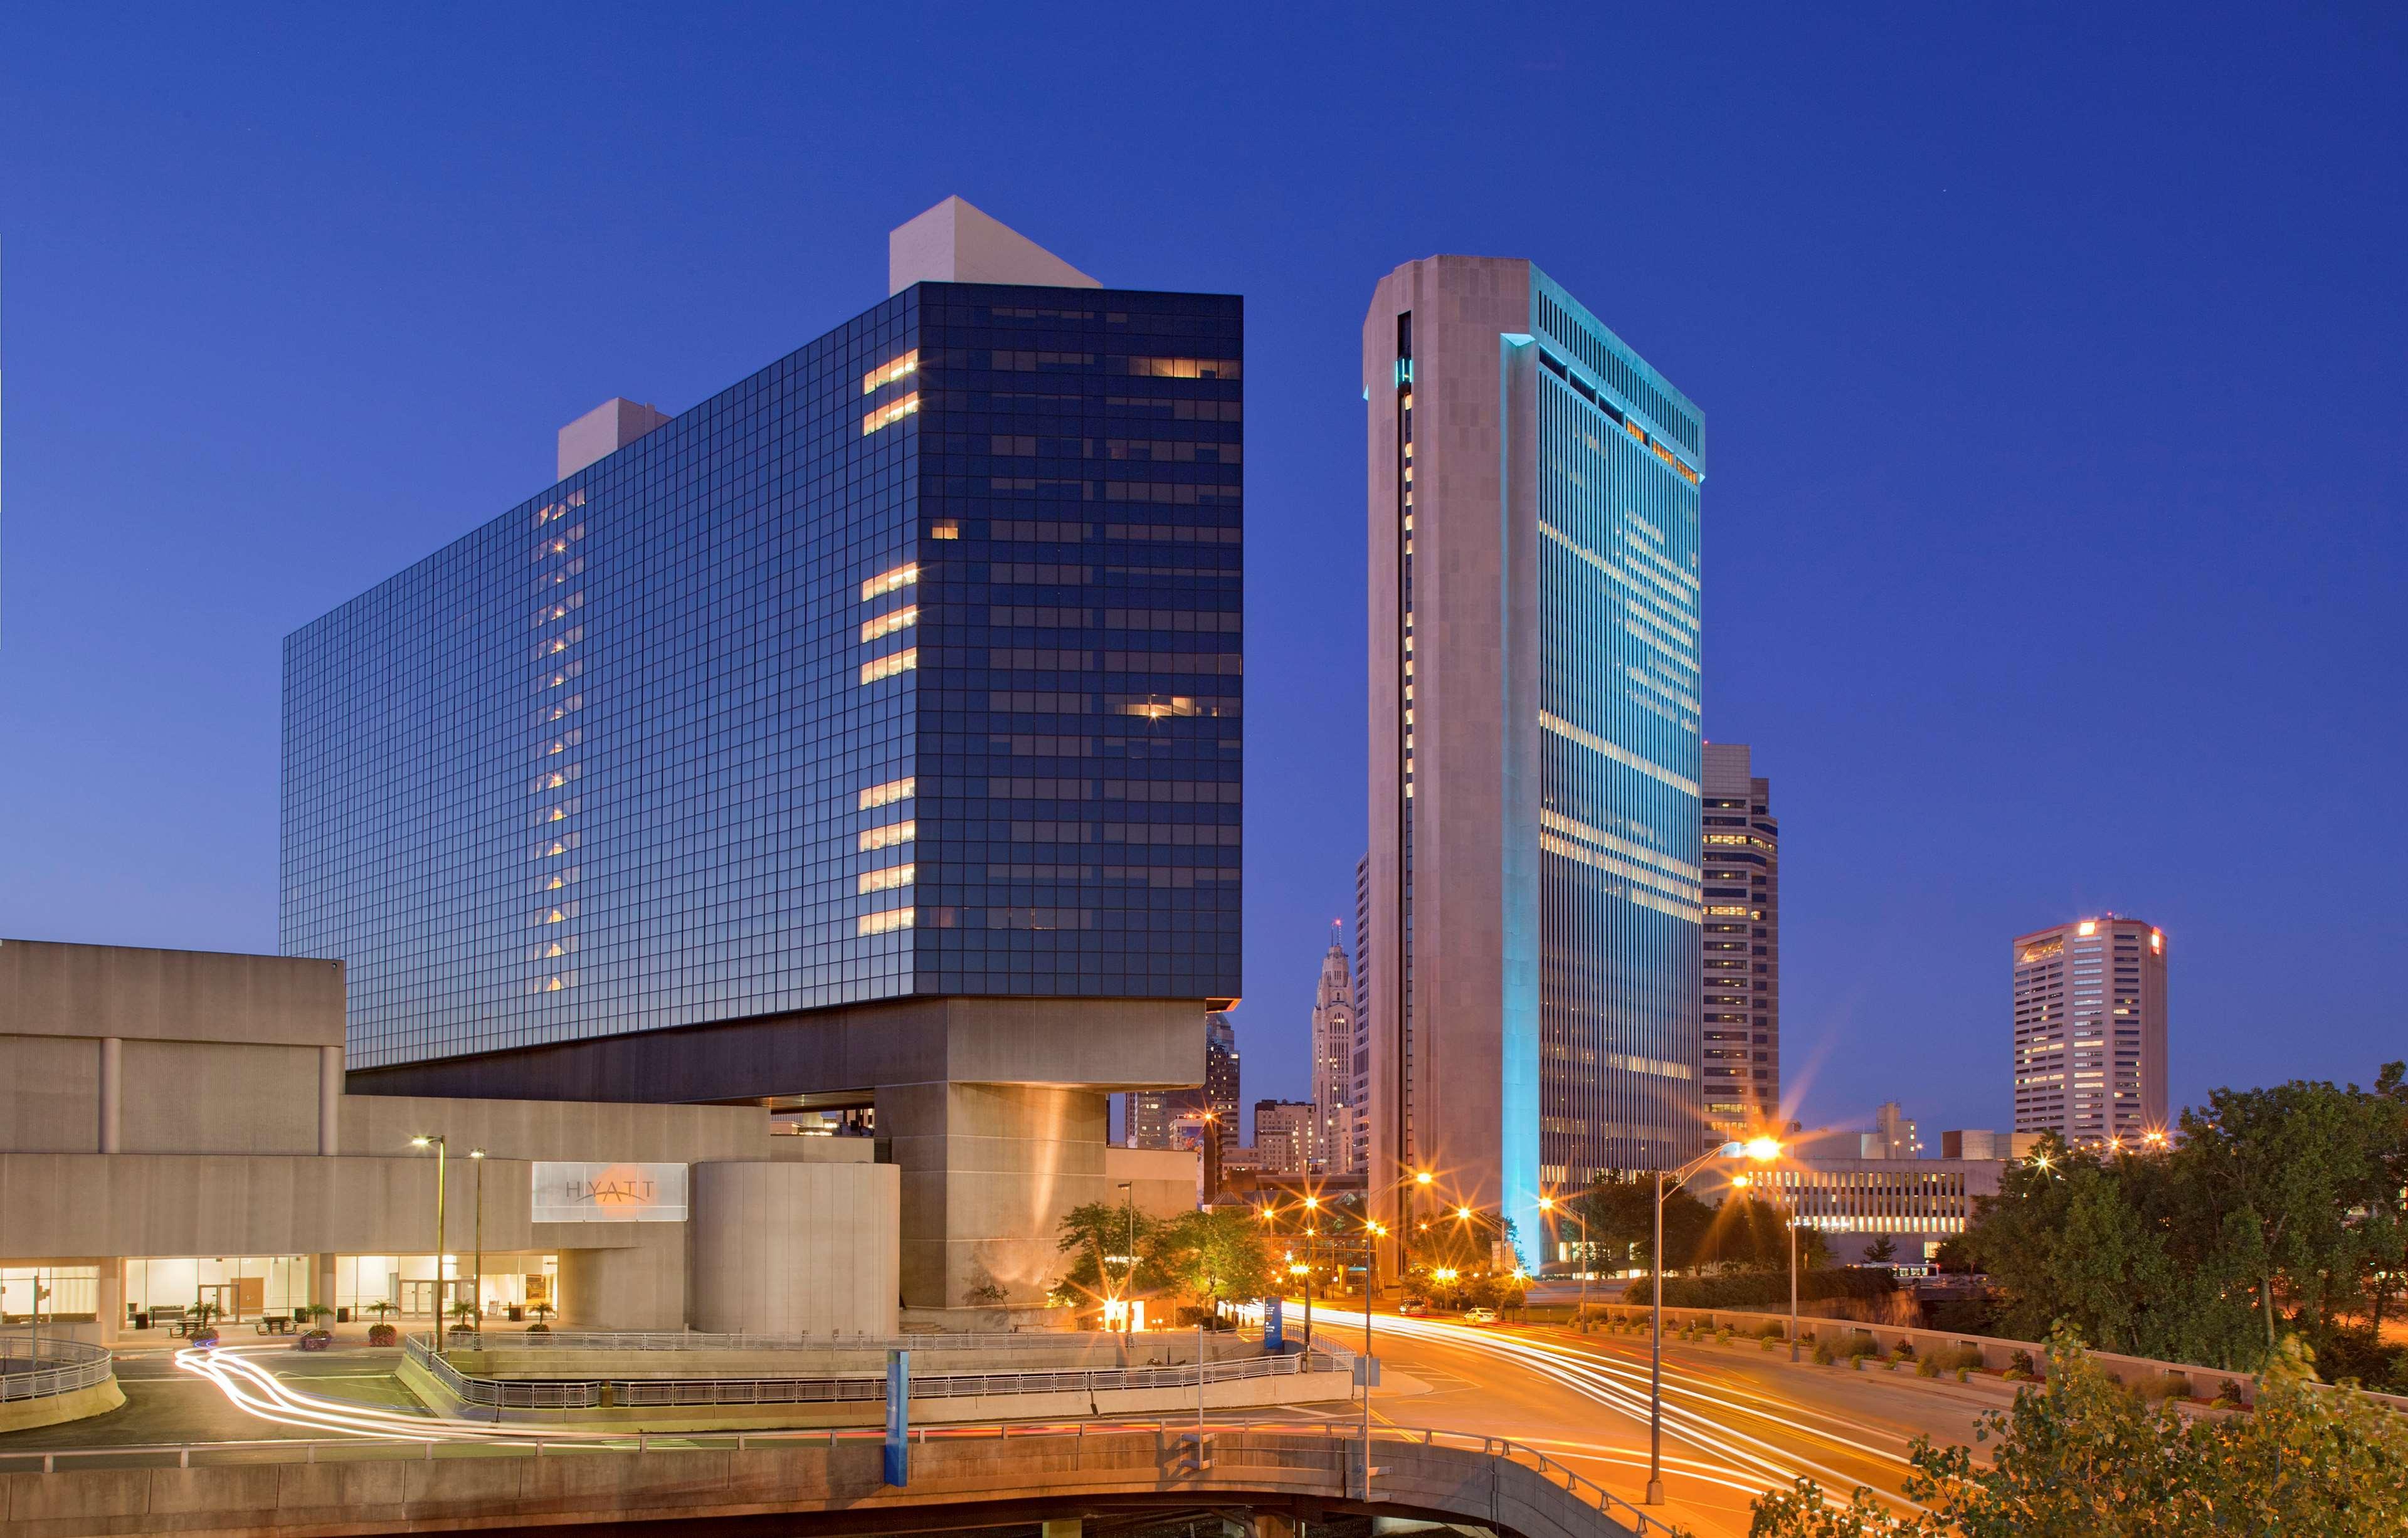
(1332, 1150)
(2090, 1030)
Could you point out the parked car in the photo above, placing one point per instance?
(1479, 1316)
(1413, 1305)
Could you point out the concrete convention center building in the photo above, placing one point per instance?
(1533, 886)
(864, 739)
(174, 1132)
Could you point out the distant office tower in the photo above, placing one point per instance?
(1221, 1077)
(1978, 1144)
(1534, 749)
(2090, 1030)
(1361, 1091)
(1894, 1134)
(866, 734)
(1333, 1064)
(1741, 1066)
(1152, 1116)
(1282, 1135)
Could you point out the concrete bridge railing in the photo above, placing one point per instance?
(358, 1488)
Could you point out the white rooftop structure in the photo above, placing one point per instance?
(955, 243)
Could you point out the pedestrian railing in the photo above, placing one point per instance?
(834, 1389)
(62, 1366)
(1326, 1453)
(696, 1340)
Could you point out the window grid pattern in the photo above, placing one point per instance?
(614, 761)
(1619, 890)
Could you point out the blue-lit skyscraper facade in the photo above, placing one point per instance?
(908, 667)
(1534, 883)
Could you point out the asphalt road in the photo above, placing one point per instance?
(1738, 1420)
(164, 1405)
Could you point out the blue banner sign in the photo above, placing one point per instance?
(1274, 1325)
(898, 1419)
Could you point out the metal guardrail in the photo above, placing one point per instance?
(76, 1364)
(836, 1389)
(691, 1340)
(1338, 1449)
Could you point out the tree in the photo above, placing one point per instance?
(1093, 1231)
(1218, 1253)
(2082, 1455)
(1881, 1251)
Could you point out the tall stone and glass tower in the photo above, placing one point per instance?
(2090, 1030)
(1535, 769)
(1740, 1068)
(1333, 1064)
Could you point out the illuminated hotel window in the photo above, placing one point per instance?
(887, 624)
(888, 793)
(880, 923)
(887, 581)
(945, 528)
(887, 879)
(1186, 368)
(1154, 710)
(884, 416)
(886, 374)
(889, 665)
(889, 835)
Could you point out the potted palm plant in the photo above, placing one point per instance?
(464, 1320)
(205, 1327)
(541, 1313)
(380, 1333)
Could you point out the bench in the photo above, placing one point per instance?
(275, 1324)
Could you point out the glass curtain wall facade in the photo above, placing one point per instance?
(1619, 891)
(908, 665)
(1534, 886)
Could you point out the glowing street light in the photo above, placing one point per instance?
(436, 1141)
(1760, 1150)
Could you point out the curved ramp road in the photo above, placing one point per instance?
(1736, 1420)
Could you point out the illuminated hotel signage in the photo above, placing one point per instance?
(608, 1193)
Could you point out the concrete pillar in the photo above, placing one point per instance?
(322, 1281)
(112, 1095)
(1272, 1524)
(330, 1097)
(108, 1309)
(988, 1171)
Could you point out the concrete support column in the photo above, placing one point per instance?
(330, 1097)
(322, 1281)
(1271, 1524)
(108, 1309)
(112, 1095)
(988, 1171)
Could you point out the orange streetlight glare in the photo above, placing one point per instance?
(1421, 1177)
(1764, 1150)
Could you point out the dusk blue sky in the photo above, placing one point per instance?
(2053, 361)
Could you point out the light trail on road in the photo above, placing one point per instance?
(1621, 1386)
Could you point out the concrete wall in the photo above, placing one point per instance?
(50, 990)
(1097, 1043)
(795, 1249)
(1166, 1180)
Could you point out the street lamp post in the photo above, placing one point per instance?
(435, 1141)
(1414, 1186)
(476, 1288)
(1763, 1150)
(1311, 1258)
(1548, 1205)
(1789, 1215)
(1128, 1296)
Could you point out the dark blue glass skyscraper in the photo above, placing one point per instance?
(906, 671)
